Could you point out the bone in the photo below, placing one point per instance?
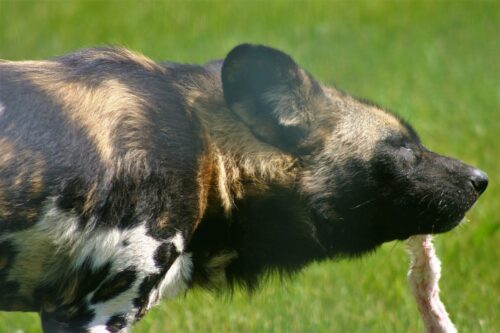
(423, 277)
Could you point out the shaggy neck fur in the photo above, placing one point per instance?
(256, 221)
(245, 170)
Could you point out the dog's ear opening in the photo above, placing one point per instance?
(270, 93)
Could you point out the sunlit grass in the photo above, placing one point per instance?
(434, 63)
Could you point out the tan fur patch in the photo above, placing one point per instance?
(162, 220)
(122, 54)
(7, 152)
(99, 110)
(358, 127)
(205, 174)
(350, 129)
(237, 154)
(27, 169)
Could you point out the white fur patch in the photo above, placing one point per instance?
(177, 278)
(109, 246)
(2, 109)
(178, 242)
(139, 253)
(59, 235)
(60, 230)
(98, 329)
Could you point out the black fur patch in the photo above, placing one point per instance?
(164, 257)
(72, 311)
(116, 323)
(114, 286)
(58, 323)
(8, 289)
(145, 288)
(20, 220)
(271, 233)
(7, 256)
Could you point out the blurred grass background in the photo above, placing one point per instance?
(436, 63)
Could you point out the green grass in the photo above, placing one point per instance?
(436, 63)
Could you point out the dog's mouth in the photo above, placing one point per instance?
(438, 216)
(457, 203)
(447, 215)
(440, 227)
(426, 227)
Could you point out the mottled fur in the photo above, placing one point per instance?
(122, 180)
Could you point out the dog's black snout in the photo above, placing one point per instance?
(479, 180)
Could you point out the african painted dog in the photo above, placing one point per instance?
(123, 180)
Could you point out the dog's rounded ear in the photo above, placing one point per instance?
(271, 94)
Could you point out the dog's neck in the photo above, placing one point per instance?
(240, 159)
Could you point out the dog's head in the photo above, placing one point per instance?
(361, 167)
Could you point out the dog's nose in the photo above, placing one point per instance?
(479, 180)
